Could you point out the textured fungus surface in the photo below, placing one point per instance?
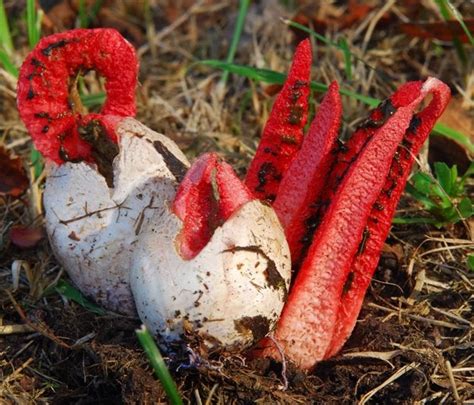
(380, 218)
(47, 103)
(283, 132)
(209, 194)
(364, 189)
(222, 270)
(300, 190)
(93, 228)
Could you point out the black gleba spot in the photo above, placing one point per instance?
(272, 275)
(177, 168)
(258, 325)
(59, 44)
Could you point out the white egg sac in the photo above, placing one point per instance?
(228, 296)
(93, 229)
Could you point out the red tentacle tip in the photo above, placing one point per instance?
(208, 195)
(52, 112)
(283, 132)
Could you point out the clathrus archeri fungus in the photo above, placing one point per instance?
(105, 170)
(203, 256)
(336, 202)
(206, 259)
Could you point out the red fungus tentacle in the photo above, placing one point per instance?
(45, 102)
(303, 182)
(345, 154)
(283, 132)
(208, 195)
(308, 320)
(380, 218)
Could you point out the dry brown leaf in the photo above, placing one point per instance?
(442, 30)
(13, 180)
(447, 150)
(328, 15)
(26, 237)
(119, 14)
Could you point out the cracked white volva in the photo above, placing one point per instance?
(93, 229)
(230, 295)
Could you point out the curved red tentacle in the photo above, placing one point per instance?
(44, 87)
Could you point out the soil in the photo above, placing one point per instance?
(413, 340)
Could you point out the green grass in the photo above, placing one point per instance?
(67, 290)
(239, 25)
(6, 43)
(8, 64)
(447, 11)
(443, 196)
(470, 262)
(270, 76)
(342, 45)
(87, 16)
(5, 36)
(159, 365)
(457, 15)
(33, 23)
(34, 32)
(93, 100)
(83, 17)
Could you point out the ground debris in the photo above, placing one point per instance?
(424, 320)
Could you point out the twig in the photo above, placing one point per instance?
(176, 23)
(383, 356)
(374, 21)
(211, 393)
(283, 362)
(449, 371)
(14, 329)
(462, 369)
(198, 397)
(452, 316)
(388, 381)
(42, 329)
(436, 322)
(421, 318)
(446, 248)
(15, 373)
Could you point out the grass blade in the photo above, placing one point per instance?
(342, 45)
(309, 31)
(457, 15)
(270, 76)
(7, 63)
(36, 161)
(239, 25)
(95, 9)
(261, 75)
(416, 220)
(93, 100)
(70, 292)
(347, 57)
(5, 36)
(83, 17)
(446, 14)
(459, 137)
(156, 360)
(87, 16)
(32, 23)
